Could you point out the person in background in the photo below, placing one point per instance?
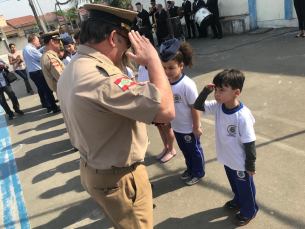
(129, 72)
(63, 56)
(16, 59)
(173, 11)
(143, 18)
(63, 33)
(51, 65)
(5, 87)
(162, 30)
(197, 4)
(187, 6)
(76, 38)
(212, 6)
(32, 60)
(69, 45)
(152, 10)
(143, 74)
(299, 6)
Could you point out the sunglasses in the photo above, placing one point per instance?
(127, 40)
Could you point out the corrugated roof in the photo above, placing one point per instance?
(21, 21)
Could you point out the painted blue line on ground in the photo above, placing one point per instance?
(288, 9)
(10, 187)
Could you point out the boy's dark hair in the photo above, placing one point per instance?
(185, 54)
(230, 77)
(95, 31)
(10, 45)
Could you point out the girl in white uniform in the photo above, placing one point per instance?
(186, 124)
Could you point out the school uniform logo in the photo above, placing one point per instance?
(232, 131)
(177, 98)
(187, 138)
(241, 174)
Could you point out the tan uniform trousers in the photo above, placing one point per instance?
(125, 198)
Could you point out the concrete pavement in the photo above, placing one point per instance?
(273, 91)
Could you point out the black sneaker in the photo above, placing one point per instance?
(230, 206)
(242, 220)
(20, 112)
(11, 116)
(186, 175)
(49, 109)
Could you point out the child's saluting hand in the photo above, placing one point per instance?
(210, 86)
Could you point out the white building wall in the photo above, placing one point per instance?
(233, 7)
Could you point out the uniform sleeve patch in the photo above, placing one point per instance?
(124, 83)
(55, 63)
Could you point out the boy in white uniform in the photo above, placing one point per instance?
(235, 140)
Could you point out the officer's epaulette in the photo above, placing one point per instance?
(110, 69)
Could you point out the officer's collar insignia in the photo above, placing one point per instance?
(125, 26)
(124, 83)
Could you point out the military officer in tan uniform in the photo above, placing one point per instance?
(106, 114)
(51, 65)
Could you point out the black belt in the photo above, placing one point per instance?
(112, 171)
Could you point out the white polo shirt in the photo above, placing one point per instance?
(232, 129)
(143, 74)
(185, 94)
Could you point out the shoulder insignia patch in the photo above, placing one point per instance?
(124, 83)
(55, 63)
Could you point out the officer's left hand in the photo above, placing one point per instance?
(197, 132)
(250, 173)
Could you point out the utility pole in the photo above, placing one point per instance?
(36, 16)
(68, 30)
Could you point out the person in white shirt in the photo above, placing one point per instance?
(63, 56)
(235, 140)
(143, 74)
(70, 46)
(186, 124)
(129, 72)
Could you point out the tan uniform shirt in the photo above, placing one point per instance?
(104, 115)
(52, 68)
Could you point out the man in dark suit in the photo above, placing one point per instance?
(162, 30)
(187, 6)
(143, 19)
(197, 4)
(212, 6)
(173, 10)
(152, 10)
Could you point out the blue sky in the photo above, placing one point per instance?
(13, 8)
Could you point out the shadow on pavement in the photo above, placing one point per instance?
(29, 117)
(42, 154)
(45, 125)
(73, 184)
(214, 218)
(85, 209)
(43, 136)
(63, 168)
